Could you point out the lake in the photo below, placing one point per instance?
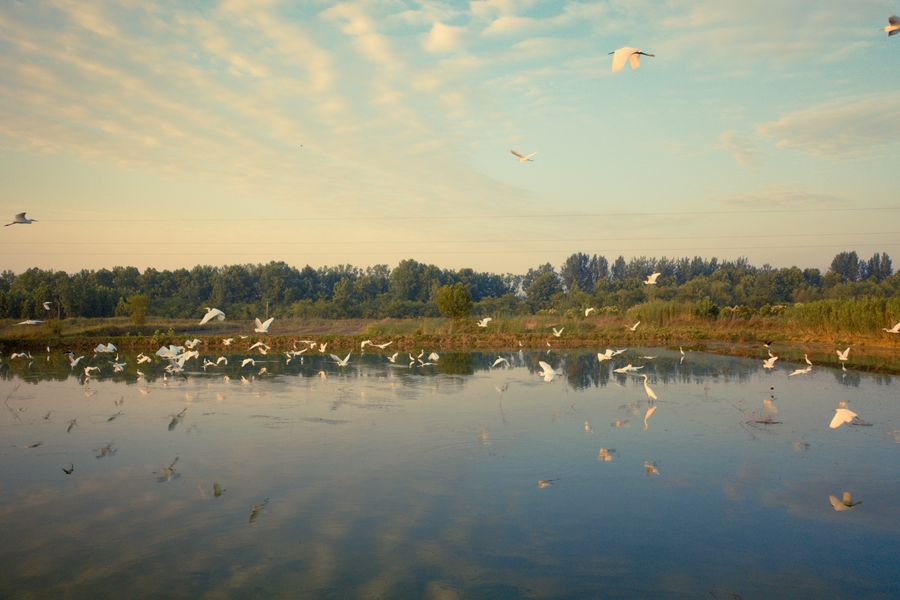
(454, 480)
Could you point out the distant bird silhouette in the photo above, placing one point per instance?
(21, 219)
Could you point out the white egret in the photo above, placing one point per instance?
(212, 313)
(143, 358)
(605, 355)
(118, 367)
(892, 28)
(21, 219)
(227, 341)
(800, 371)
(484, 322)
(248, 361)
(842, 356)
(846, 502)
(384, 345)
(650, 393)
(434, 356)
(364, 343)
(627, 369)
(842, 415)
(341, 362)
(191, 344)
(500, 361)
(589, 310)
(521, 157)
(105, 348)
(393, 357)
(73, 361)
(894, 329)
(650, 468)
(261, 345)
(546, 371)
(633, 327)
(263, 327)
(769, 363)
(87, 370)
(46, 305)
(558, 332)
(651, 279)
(806, 358)
(631, 55)
(222, 359)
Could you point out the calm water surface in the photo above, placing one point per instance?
(381, 481)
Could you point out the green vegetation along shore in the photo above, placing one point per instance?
(790, 336)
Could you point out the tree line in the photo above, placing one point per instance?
(412, 288)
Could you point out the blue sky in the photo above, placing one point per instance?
(172, 134)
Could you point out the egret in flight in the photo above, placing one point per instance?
(557, 332)
(845, 503)
(633, 327)
(212, 313)
(341, 362)
(842, 415)
(842, 356)
(894, 329)
(521, 157)
(484, 322)
(21, 219)
(263, 327)
(47, 305)
(632, 55)
(651, 279)
(589, 310)
(546, 371)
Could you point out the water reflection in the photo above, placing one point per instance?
(391, 481)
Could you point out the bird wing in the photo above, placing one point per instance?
(267, 322)
(848, 501)
(19, 217)
(335, 357)
(635, 60)
(258, 323)
(837, 504)
(514, 153)
(841, 416)
(209, 315)
(893, 20)
(619, 57)
(545, 366)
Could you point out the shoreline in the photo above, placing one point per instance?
(869, 352)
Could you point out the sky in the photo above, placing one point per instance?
(171, 134)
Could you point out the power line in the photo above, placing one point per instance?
(457, 241)
(691, 250)
(459, 217)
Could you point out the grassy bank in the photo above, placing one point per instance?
(791, 338)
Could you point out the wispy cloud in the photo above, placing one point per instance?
(742, 149)
(843, 129)
(443, 38)
(784, 198)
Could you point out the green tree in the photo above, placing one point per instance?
(454, 301)
(846, 264)
(137, 306)
(542, 289)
